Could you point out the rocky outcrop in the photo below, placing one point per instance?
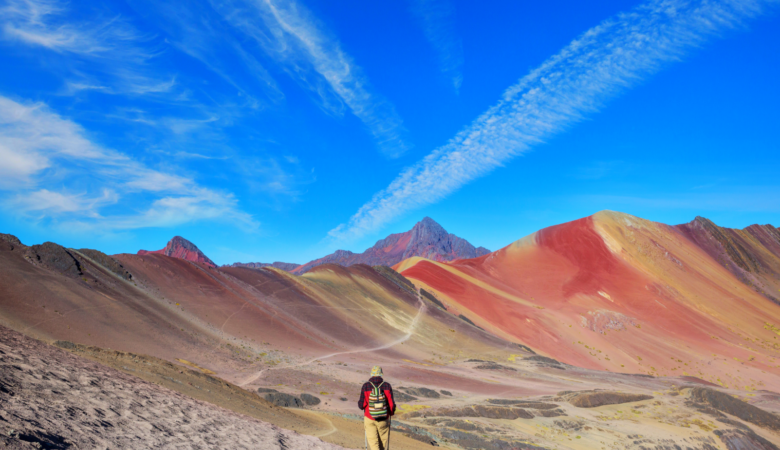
(543, 361)
(733, 406)
(178, 247)
(282, 399)
(396, 278)
(490, 365)
(288, 400)
(421, 392)
(401, 396)
(743, 440)
(488, 412)
(107, 262)
(427, 239)
(12, 242)
(594, 399)
(310, 400)
(54, 257)
(288, 267)
(432, 298)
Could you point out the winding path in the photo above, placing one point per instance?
(403, 338)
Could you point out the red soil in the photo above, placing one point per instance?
(547, 291)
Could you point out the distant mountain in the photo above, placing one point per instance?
(257, 265)
(178, 247)
(427, 239)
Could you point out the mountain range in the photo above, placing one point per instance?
(636, 321)
(426, 239)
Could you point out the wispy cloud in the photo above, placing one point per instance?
(45, 202)
(119, 56)
(198, 32)
(277, 178)
(291, 35)
(437, 18)
(606, 60)
(57, 172)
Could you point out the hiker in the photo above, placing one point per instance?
(378, 405)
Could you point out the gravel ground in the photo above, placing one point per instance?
(52, 399)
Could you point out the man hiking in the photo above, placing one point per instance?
(378, 405)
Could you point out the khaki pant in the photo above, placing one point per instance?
(376, 432)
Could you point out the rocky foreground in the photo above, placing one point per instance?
(52, 399)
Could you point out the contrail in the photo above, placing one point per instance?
(403, 338)
(603, 62)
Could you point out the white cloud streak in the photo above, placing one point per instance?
(51, 170)
(120, 54)
(437, 18)
(604, 61)
(290, 34)
(197, 32)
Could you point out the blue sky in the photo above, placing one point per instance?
(276, 130)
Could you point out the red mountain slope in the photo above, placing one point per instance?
(178, 247)
(619, 293)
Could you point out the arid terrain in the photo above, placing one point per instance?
(608, 332)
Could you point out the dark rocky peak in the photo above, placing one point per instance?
(180, 242)
(427, 239)
(54, 257)
(430, 240)
(12, 242)
(428, 231)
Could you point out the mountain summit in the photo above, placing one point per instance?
(178, 247)
(427, 239)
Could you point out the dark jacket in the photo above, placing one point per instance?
(365, 391)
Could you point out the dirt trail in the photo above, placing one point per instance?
(393, 343)
(331, 428)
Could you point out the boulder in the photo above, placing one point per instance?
(282, 399)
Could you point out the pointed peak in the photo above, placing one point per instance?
(428, 221)
(181, 248)
(181, 242)
(428, 224)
